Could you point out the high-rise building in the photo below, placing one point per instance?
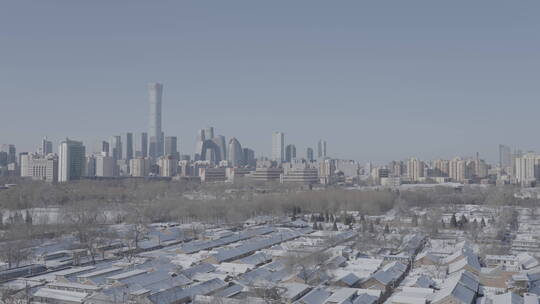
(11, 152)
(219, 140)
(249, 157)
(90, 166)
(278, 147)
(71, 160)
(105, 147)
(155, 132)
(115, 147)
(527, 168)
(309, 154)
(209, 133)
(171, 147)
(141, 145)
(321, 149)
(236, 157)
(458, 170)
(46, 146)
(127, 146)
(505, 157)
(168, 166)
(290, 153)
(415, 169)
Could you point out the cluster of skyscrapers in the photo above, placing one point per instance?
(152, 154)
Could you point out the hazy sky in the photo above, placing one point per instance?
(379, 80)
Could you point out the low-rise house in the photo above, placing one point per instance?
(506, 262)
(460, 288)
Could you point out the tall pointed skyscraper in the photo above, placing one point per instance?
(155, 91)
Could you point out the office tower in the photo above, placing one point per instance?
(11, 152)
(220, 142)
(71, 160)
(278, 147)
(415, 169)
(236, 157)
(3, 159)
(46, 146)
(199, 144)
(505, 157)
(309, 154)
(249, 157)
(290, 153)
(171, 147)
(209, 133)
(40, 167)
(115, 147)
(90, 166)
(155, 132)
(140, 145)
(105, 147)
(321, 149)
(127, 146)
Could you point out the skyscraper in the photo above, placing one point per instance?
(127, 146)
(278, 147)
(141, 145)
(155, 132)
(209, 133)
(236, 157)
(321, 149)
(105, 147)
(249, 157)
(309, 154)
(290, 153)
(71, 160)
(46, 146)
(115, 147)
(171, 147)
(219, 140)
(505, 157)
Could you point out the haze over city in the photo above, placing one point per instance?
(378, 81)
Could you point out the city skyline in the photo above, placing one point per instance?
(442, 78)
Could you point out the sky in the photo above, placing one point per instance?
(379, 80)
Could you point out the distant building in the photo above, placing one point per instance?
(171, 147)
(168, 166)
(301, 176)
(266, 174)
(220, 143)
(71, 160)
(127, 146)
(115, 147)
(141, 145)
(155, 92)
(321, 149)
(212, 174)
(39, 167)
(309, 154)
(505, 158)
(415, 169)
(236, 157)
(46, 146)
(105, 148)
(90, 166)
(278, 147)
(140, 167)
(249, 157)
(290, 153)
(105, 166)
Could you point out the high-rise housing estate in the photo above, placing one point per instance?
(278, 147)
(415, 169)
(527, 168)
(141, 145)
(309, 154)
(71, 160)
(127, 146)
(236, 157)
(171, 147)
(505, 157)
(155, 91)
(46, 146)
(115, 147)
(321, 149)
(290, 153)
